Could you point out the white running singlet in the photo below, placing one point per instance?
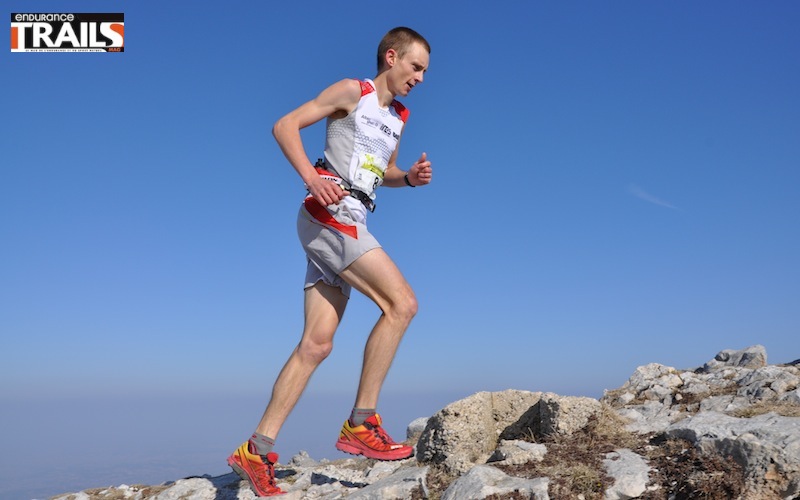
(359, 145)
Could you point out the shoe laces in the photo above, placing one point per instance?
(266, 476)
(379, 433)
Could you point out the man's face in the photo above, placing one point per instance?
(408, 70)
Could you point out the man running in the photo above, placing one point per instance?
(364, 126)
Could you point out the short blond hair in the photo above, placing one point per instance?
(399, 39)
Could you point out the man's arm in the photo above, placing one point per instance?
(338, 99)
(419, 174)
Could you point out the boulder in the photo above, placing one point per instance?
(767, 446)
(752, 357)
(564, 415)
(466, 432)
(459, 443)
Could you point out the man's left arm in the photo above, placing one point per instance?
(419, 174)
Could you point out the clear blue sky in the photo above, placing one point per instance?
(615, 183)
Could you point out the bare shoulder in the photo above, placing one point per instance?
(349, 85)
(342, 95)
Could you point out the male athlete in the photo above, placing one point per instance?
(364, 126)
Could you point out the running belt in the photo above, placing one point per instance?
(326, 171)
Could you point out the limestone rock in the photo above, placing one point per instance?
(196, 488)
(401, 484)
(517, 452)
(466, 432)
(483, 480)
(415, 428)
(564, 414)
(630, 472)
(767, 446)
(649, 418)
(751, 357)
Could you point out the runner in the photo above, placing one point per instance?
(364, 126)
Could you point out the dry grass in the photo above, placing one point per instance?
(784, 408)
(437, 481)
(690, 398)
(684, 474)
(574, 463)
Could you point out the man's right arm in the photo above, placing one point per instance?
(338, 99)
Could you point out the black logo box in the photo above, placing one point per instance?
(81, 17)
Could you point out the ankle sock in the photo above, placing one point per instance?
(359, 415)
(261, 444)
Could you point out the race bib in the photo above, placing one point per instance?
(369, 174)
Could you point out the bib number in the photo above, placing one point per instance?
(369, 175)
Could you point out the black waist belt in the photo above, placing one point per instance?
(324, 166)
(363, 198)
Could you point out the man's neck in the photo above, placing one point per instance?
(385, 96)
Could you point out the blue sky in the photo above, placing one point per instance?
(615, 183)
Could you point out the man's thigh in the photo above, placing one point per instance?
(375, 275)
(324, 307)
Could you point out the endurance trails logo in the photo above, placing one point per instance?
(67, 32)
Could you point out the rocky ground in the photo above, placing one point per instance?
(729, 429)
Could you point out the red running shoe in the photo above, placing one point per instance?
(371, 441)
(257, 470)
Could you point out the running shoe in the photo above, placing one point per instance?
(257, 470)
(371, 441)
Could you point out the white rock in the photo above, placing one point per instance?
(517, 452)
(383, 469)
(650, 417)
(724, 404)
(195, 488)
(630, 472)
(767, 446)
(565, 414)
(792, 397)
(398, 485)
(349, 478)
(751, 357)
(302, 459)
(416, 427)
(484, 480)
(466, 432)
(644, 376)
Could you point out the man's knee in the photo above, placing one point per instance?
(314, 352)
(406, 306)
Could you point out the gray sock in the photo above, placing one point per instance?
(261, 444)
(359, 415)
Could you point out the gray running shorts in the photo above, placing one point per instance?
(332, 240)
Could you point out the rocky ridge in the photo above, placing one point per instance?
(729, 429)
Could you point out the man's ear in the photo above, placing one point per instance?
(390, 58)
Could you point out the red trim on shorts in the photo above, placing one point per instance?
(322, 215)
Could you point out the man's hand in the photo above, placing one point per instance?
(326, 192)
(420, 172)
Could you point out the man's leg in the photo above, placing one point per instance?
(375, 275)
(324, 307)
